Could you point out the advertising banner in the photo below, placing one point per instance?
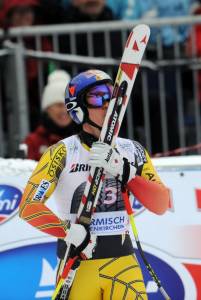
(172, 242)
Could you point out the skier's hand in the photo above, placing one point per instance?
(81, 238)
(88, 251)
(104, 156)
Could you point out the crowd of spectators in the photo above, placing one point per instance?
(15, 13)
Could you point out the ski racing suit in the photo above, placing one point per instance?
(113, 272)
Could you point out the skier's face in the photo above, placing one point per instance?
(97, 115)
(97, 101)
(98, 95)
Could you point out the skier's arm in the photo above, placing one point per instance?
(148, 188)
(39, 188)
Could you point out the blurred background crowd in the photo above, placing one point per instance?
(165, 112)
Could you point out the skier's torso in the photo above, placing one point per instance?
(63, 172)
(110, 221)
(110, 217)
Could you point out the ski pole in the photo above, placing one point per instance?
(135, 233)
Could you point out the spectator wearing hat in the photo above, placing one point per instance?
(55, 124)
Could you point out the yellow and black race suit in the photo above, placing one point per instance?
(113, 272)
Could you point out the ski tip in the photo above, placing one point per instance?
(143, 28)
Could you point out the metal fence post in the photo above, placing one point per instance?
(16, 97)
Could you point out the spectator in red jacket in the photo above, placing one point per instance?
(55, 124)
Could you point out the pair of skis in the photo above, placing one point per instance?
(128, 69)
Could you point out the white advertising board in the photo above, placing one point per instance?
(172, 242)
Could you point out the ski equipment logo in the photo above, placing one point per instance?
(10, 197)
(112, 125)
(71, 105)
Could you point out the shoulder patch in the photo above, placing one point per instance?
(140, 153)
(125, 144)
(41, 190)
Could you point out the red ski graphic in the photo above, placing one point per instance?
(129, 69)
(135, 46)
(144, 40)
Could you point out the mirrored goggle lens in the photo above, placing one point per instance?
(99, 94)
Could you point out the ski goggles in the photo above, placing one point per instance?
(98, 95)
